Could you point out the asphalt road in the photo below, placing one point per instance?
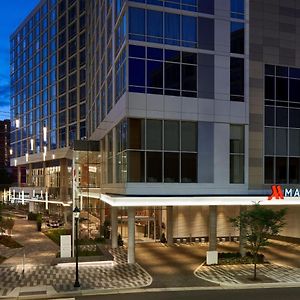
(250, 294)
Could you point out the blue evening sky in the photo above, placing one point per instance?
(12, 13)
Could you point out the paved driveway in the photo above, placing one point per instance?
(171, 266)
(174, 266)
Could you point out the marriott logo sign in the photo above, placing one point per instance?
(279, 193)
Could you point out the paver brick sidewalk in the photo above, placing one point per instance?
(241, 274)
(119, 275)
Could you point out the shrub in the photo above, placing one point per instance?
(32, 216)
(39, 222)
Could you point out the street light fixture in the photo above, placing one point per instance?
(76, 213)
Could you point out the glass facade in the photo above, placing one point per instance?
(282, 125)
(48, 77)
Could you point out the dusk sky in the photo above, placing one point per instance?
(11, 14)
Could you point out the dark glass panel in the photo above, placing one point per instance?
(294, 170)
(281, 117)
(189, 31)
(155, 25)
(269, 169)
(136, 51)
(295, 90)
(172, 29)
(237, 37)
(206, 6)
(171, 135)
(281, 141)
(269, 70)
(154, 134)
(281, 88)
(269, 116)
(189, 136)
(269, 87)
(136, 166)
(282, 71)
(154, 74)
(281, 170)
(172, 76)
(189, 58)
(294, 72)
(189, 77)
(236, 168)
(154, 166)
(237, 79)
(136, 72)
(137, 23)
(155, 53)
(188, 167)
(269, 141)
(294, 118)
(136, 134)
(294, 142)
(172, 55)
(171, 167)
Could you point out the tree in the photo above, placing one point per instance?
(259, 224)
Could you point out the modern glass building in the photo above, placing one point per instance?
(189, 108)
(48, 95)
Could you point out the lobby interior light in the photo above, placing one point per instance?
(31, 144)
(11, 151)
(45, 133)
(53, 156)
(26, 157)
(15, 162)
(17, 122)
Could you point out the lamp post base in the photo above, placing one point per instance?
(76, 284)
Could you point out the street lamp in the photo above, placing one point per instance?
(76, 213)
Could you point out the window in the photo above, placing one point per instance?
(154, 134)
(237, 9)
(172, 29)
(236, 79)
(137, 23)
(154, 26)
(171, 167)
(136, 166)
(206, 33)
(237, 32)
(237, 153)
(171, 135)
(154, 166)
(189, 31)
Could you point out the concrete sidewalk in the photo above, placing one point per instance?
(38, 248)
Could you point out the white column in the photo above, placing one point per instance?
(169, 225)
(46, 200)
(23, 199)
(131, 235)
(114, 227)
(212, 228)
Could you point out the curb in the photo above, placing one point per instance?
(156, 290)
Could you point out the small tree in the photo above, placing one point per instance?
(259, 224)
(7, 224)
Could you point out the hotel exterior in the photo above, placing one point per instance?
(190, 113)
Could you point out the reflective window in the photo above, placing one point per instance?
(237, 33)
(154, 26)
(237, 9)
(237, 153)
(236, 79)
(172, 29)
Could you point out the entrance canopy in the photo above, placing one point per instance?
(136, 201)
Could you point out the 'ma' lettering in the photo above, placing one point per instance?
(288, 193)
(296, 194)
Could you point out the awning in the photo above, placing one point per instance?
(234, 200)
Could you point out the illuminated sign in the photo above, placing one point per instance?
(279, 193)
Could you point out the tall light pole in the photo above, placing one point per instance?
(76, 213)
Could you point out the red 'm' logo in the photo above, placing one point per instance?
(276, 193)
